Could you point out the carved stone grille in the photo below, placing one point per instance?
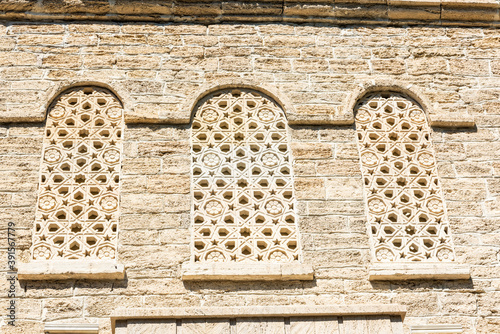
(406, 210)
(242, 181)
(77, 209)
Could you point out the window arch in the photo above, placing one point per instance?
(77, 208)
(405, 206)
(243, 194)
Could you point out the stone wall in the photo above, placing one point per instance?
(158, 70)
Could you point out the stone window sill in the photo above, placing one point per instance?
(70, 269)
(71, 328)
(434, 329)
(407, 271)
(247, 272)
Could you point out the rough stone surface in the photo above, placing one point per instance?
(67, 269)
(313, 70)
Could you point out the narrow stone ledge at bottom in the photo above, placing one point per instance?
(70, 269)
(71, 328)
(247, 272)
(436, 328)
(408, 271)
(259, 311)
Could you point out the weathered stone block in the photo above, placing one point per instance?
(163, 148)
(168, 184)
(309, 188)
(141, 166)
(311, 150)
(142, 203)
(344, 188)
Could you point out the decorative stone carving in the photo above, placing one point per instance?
(242, 181)
(406, 212)
(77, 211)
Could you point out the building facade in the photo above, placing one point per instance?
(237, 167)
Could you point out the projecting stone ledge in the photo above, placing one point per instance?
(259, 311)
(70, 269)
(247, 272)
(415, 270)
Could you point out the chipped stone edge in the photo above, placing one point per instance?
(410, 271)
(434, 115)
(71, 328)
(70, 269)
(247, 272)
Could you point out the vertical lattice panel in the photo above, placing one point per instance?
(77, 209)
(242, 181)
(406, 209)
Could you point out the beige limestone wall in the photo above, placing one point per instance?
(156, 69)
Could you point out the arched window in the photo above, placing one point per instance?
(405, 205)
(77, 209)
(244, 203)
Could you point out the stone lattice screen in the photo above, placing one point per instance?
(242, 181)
(405, 205)
(77, 209)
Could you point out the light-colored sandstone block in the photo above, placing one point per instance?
(151, 327)
(71, 328)
(404, 271)
(436, 328)
(247, 323)
(314, 325)
(260, 311)
(246, 271)
(70, 269)
(450, 120)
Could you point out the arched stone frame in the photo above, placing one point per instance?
(375, 86)
(238, 83)
(117, 89)
(436, 117)
(242, 180)
(77, 209)
(406, 210)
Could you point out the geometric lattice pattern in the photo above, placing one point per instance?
(242, 181)
(77, 208)
(406, 210)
